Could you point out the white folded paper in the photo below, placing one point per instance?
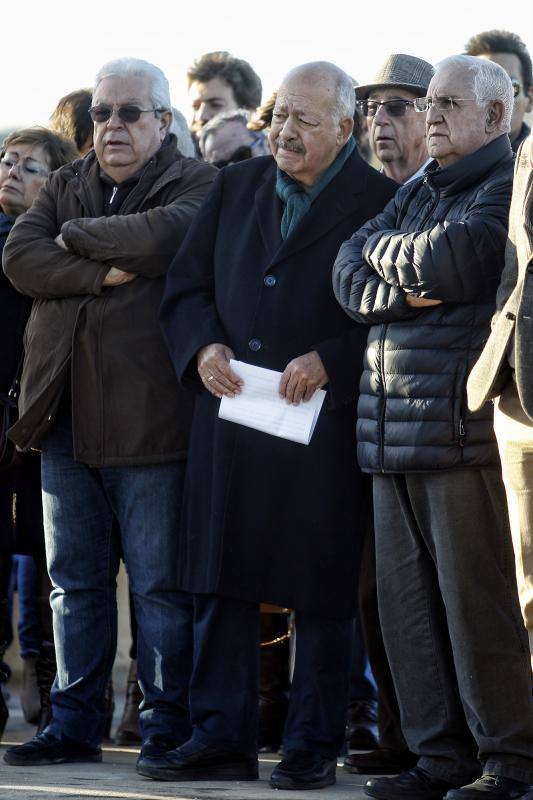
(259, 405)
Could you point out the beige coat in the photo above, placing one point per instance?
(513, 321)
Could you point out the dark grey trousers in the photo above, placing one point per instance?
(451, 622)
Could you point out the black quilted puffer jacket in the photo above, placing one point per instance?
(441, 237)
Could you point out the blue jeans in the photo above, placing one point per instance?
(83, 554)
(29, 629)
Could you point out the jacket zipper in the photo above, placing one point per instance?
(381, 351)
(436, 197)
(462, 433)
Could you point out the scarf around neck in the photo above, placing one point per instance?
(297, 199)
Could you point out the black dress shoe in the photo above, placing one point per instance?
(492, 787)
(414, 784)
(301, 769)
(48, 749)
(362, 725)
(380, 762)
(197, 762)
(153, 751)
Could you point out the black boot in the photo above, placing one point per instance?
(128, 731)
(109, 704)
(4, 713)
(273, 681)
(46, 668)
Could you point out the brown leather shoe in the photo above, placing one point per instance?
(128, 731)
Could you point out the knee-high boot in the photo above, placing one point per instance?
(273, 681)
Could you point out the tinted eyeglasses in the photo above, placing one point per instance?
(394, 108)
(126, 113)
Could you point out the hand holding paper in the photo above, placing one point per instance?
(260, 406)
(302, 376)
(213, 364)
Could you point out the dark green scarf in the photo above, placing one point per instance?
(297, 199)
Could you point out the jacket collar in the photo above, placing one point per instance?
(340, 199)
(84, 176)
(470, 169)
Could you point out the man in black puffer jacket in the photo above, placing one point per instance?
(424, 273)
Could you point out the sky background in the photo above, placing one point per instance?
(49, 49)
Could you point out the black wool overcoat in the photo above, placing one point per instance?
(266, 519)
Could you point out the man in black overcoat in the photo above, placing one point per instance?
(267, 519)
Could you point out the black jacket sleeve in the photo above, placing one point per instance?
(188, 315)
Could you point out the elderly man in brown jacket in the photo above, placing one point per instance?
(505, 371)
(100, 398)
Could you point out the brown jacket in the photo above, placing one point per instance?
(127, 406)
(512, 325)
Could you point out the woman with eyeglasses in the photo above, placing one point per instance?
(26, 158)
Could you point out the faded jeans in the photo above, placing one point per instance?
(83, 554)
(451, 621)
(514, 431)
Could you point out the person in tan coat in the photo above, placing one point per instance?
(505, 371)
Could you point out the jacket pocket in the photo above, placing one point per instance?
(459, 403)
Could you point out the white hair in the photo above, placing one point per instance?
(241, 115)
(181, 131)
(138, 68)
(343, 85)
(490, 83)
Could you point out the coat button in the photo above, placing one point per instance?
(509, 315)
(255, 345)
(269, 280)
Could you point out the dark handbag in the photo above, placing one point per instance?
(9, 455)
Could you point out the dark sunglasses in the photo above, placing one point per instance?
(394, 108)
(126, 113)
(241, 154)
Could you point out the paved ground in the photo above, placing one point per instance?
(116, 777)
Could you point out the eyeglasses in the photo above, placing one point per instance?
(126, 113)
(27, 168)
(516, 87)
(394, 108)
(442, 104)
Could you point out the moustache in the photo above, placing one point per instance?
(292, 147)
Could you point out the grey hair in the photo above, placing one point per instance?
(138, 68)
(241, 115)
(343, 85)
(180, 129)
(490, 82)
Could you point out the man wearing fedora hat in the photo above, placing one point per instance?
(397, 133)
(398, 140)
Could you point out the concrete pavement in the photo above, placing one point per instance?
(115, 777)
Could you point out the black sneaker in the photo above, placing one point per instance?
(414, 784)
(45, 748)
(301, 769)
(153, 752)
(493, 787)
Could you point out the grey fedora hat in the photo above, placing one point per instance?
(403, 71)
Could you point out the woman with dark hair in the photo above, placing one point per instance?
(26, 158)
